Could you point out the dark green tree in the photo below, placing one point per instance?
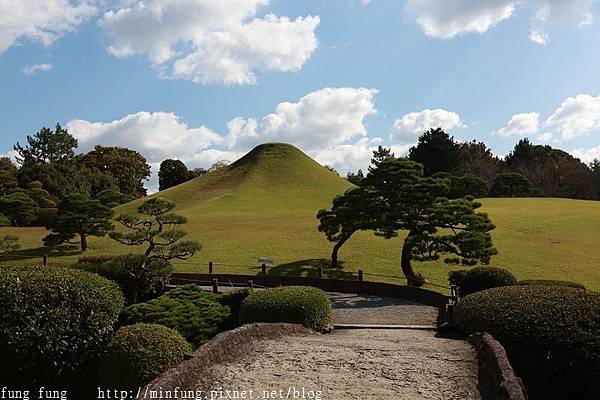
(512, 184)
(128, 167)
(437, 151)
(477, 159)
(59, 179)
(113, 198)
(435, 225)
(330, 168)
(78, 218)
(8, 244)
(19, 208)
(382, 153)
(466, 185)
(8, 182)
(595, 168)
(7, 165)
(47, 147)
(349, 213)
(355, 178)
(158, 228)
(172, 173)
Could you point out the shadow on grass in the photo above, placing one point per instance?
(39, 252)
(310, 268)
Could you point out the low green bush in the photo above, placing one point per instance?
(196, 314)
(53, 320)
(4, 221)
(304, 305)
(138, 284)
(139, 353)
(550, 335)
(481, 278)
(549, 282)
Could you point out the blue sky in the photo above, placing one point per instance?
(203, 80)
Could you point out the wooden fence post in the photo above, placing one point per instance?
(264, 269)
(210, 267)
(215, 285)
(45, 260)
(320, 271)
(251, 284)
(360, 275)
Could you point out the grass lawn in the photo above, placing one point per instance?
(265, 206)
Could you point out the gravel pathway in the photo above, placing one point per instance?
(355, 364)
(365, 310)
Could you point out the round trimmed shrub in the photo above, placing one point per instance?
(550, 282)
(139, 353)
(550, 335)
(194, 313)
(304, 305)
(52, 320)
(481, 278)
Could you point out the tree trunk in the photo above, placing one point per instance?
(336, 249)
(412, 278)
(84, 244)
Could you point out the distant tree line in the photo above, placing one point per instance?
(50, 176)
(529, 170)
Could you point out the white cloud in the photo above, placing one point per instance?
(34, 69)
(40, 20)
(157, 136)
(521, 125)
(448, 19)
(587, 155)
(210, 42)
(324, 123)
(410, 126)
(538, 37)
(576, 116)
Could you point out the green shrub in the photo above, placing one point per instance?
(137, 284)
(196, 314)
(294, 304)
(139, 353)
(549, 282)
(53, 320)
(550, 335)
(4, 220)
(482, 278)
(455, 277)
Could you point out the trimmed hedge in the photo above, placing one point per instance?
(550, 282)
(481, 278)
(550, 335)
(139, 353)
(194, 313)
(304, 305)
(234, 298)
(53, 319)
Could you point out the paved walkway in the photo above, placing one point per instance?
(357, 364)
(373, 310)
(360, 364)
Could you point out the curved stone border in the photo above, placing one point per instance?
(224, 347)
(497, 378)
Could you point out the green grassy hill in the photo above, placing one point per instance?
(264, 205)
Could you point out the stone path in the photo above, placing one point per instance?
(373, 310)
(359, 363)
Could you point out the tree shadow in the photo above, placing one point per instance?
(40, 252)
(310, 269)
(351, 300)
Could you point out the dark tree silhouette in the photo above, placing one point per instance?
(437, 151)
(78, 218)
(512, 184)
(172, 173)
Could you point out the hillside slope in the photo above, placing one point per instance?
(273, 177)
(264, 205)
